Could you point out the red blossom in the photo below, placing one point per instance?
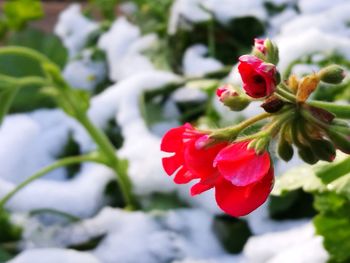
(242, 179)
(259, 77)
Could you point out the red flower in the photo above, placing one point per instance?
(259, 44)
(242, 179)
(259, 77)
(224, 92)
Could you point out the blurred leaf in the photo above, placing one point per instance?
(231, 39)
(19, 12)
(292, 205)
(162, 201)
(4, 255)
(71, 148)
(46, 43)
(106, 7)
(8, 231)
(232, 232)
(114, 133)
(333, 223)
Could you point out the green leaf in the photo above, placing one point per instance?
(9, 231)
(163, 202)
(298, 178)
(46, 43)
(333, 223)
(292, 205)
(19, 12)
(4, 255)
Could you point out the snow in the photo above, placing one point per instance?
(202, 10)
(181, 236)
(73, 28)
(84, 73)
(294, 245)
(195, 64)
(124, 53)
(56, 255)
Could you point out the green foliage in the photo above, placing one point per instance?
(18, 12)
(46, 43)
(152, 16)
(9, 231)
(106, 7)
(114, 133)
(232, 232)
(333, 223)
(231, 39)
(71, 148)
(292, 205)
(30, 97)
(162, 202)
(332, 201)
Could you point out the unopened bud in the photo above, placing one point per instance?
(293, 83)
(284, 149)
(306, 86)
(341, 141)
(332, 74)
(323, 149)
(266, 50)
(307, 155)
(271, 52)
(230, 98)
(272, 104)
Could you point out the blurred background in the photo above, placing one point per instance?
(148, 66)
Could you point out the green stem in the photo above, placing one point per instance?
(231, 133)
(47, 169)
(285, 94)
(27, 52)
(341, 111)
(113, 162)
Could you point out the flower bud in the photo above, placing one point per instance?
(341, 142)
(332, 74)
(284, 149)
(306, 86)
(323, 149)
(307, 155)
(293, 83)
(272, 104)
(230, 98)
(266, 50)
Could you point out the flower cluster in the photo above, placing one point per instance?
(239, 168)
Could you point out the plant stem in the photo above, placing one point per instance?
(113, 162)
(341, 111)
(47, 169)
(23, 51)
(281, 92)
(231, 132)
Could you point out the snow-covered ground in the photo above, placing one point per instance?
(30, 141)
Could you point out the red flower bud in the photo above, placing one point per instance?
(259, 77)
(242, 179)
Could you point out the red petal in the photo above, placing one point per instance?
(172, 140)
(183, 176)
(200, 161)
(172, 163)
(242, 166)
(200, 188)
(240, 201)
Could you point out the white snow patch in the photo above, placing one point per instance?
(73, 28)
(195, 64)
